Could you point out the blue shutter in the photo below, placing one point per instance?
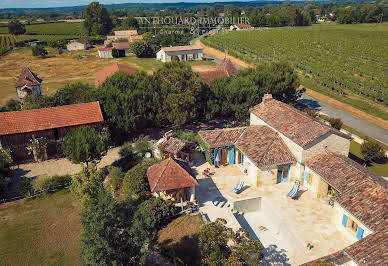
(360, 232)
(215, 156)
(231, 155)
(306, 175)
(344, 220)
(242, 159)
(288, 173)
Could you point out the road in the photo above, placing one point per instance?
(348, 119)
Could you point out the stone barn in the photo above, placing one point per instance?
(28, 82)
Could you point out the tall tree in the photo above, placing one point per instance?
(97, 20)
(16, 27)
(182, 92)
(130, 23)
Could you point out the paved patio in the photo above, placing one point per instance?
(284, 226)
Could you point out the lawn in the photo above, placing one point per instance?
(179, 240)
(380, 169)
(71, 66)
(45, 229)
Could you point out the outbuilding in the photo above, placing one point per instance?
(184, 53)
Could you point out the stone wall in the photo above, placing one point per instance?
(330, 142)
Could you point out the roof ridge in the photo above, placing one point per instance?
(269, 145)
(160, 176)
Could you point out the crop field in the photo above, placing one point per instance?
(60, 28)
(349, 61)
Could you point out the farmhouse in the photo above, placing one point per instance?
(122, 48)
(17, 128)
(175, 148)
(105, 52)
(78, 45)
(108, 71)
(28, 82)
(184, 53)
(225, 69)
(172, 179)
(241, 27)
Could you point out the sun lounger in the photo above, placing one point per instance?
(238, 188)
(294, 190)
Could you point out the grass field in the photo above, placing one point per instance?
(60, 28)
(380, 169)
(346, 62)
(45, 231)
(179, 240)
(59, 70)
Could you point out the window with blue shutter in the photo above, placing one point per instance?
(360, 232)
(231, 155)
(215, 156)
(306, 175)
(344, 220)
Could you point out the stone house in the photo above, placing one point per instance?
(172, 179)
(122, 34)
(78, 45)
(184, 53)
(105, 52)
(17, 128)
(28, 82)
(122, 48)
(108, 71)
(175, 148)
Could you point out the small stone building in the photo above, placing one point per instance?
(122, 48)
(184, 53)
(28, 82)
(78, 45)
(105, 52)
(176, 148)
(17, 128)
(172, 179)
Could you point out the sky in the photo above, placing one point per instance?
(60, 3)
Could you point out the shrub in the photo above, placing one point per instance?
(37, 147)
(209, 153)
(142, 145)
(5, 159)
(46, 183)
(25, 186)
(135, 180)
(312, 112)
(115, 179)
(189, 136)
(372, 150)
(115, 53)
(336, 123)
(39, 51)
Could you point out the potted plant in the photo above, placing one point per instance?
(37, 147)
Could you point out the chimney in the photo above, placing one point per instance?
(266, 97)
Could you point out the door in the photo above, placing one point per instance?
(224, 156)
(283, 173)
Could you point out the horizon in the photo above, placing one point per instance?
(6, 4)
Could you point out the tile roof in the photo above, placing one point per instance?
(125, 32)
(221, 137)
(108, 71)
(49, 118)
(83, 41)
(106, 49)
(292, 123)
(121, 45)
(27, 78)
(174, 145)
(135, 38)
(224, 69)
(361, 192)
(181, 48)
(170, 174)
(264, 147)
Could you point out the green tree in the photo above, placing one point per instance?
(372, 150)
(336, 123)
(71, 94)
(115, 53)
(16, 27)
(140, 49)
(129, 102)
(36, 101)
(11, 105)
(5, 159)
(83, 145)
(39, 51)
(182, 92)
(87, 183)
(130, 23)
(97, 19)
(135, 180)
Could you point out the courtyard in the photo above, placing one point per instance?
(284, 226)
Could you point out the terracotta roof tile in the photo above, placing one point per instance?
(170, 174)
(106, 49)
(224, 69)
(221, 137)
(292, 123)
(48, 118)
(104, 73)
(27, 78)
(174, 145)
(135, 38)
(83, 41)
(125, 32)
(121, 45)
(264, 147)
